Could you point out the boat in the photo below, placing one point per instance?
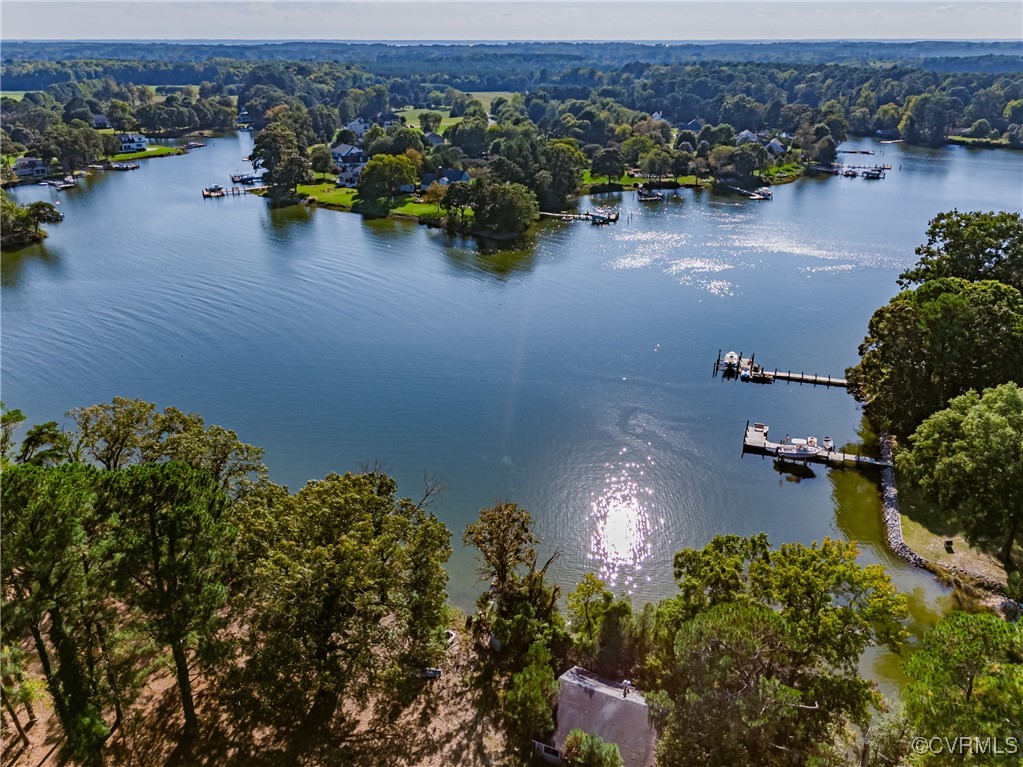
(214, 191)
(828, 444)
(68, 182)
(850, 173)
(797, 448)
(195, 144)
(765, 192)
(730, 360)
(124, 166)
(646, 195)
(244, 178)
(215, 188)
(873, 173)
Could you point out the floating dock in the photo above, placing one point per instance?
(756, 442)
(735, 366)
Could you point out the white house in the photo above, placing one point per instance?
(359, 126)
(30, 167)
(347, 154)
(133, 142)
(349, 175)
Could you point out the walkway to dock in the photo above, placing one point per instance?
(756, 442)
(747, 369)
(597, 219)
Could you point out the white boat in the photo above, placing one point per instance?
(730, 360)
(798, 448)
(828, 444)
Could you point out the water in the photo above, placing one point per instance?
(572, 376)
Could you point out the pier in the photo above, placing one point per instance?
(756, 442)
(735, 366)
(597, 219)
(219, 191)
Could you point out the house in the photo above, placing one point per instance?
(386, 119)
(433, 139)
(745, 137)
(776, 148)
(598, 706)
(657, 116)
(100, 121)
(443, 176)
(349, 175)
(888, 133)
(347, 154)
(132, 142)
(359, 126)
(30, 167)
(243, 117)
(694, 125)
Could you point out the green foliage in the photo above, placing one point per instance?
(585, 750)
(173, 552)
(587, 605)
(608, 162)
(282, 157)
(936, 342)
(9, 421)
(501, 209)
(967, 679)
(973, 246)
(759, 651)
(529, 701)
(385, 175)
(969, 459)
(351, 591)
(503, 535)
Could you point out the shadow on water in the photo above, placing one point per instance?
(499, 259)
(14, 263)
(788, 471)
(279, 219)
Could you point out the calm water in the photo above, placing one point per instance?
(572, 376)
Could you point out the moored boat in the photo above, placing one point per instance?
(798, 448)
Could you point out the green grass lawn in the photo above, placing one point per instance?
(153, 151)
(626, 180)
(409, 207)
(412, 117)
(16, 95)
(486, 98)
(327, 194)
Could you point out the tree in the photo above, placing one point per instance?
(350, 592)
(434, 194)
(610, 163)
(969, 458)
(759, 652)
(277, 151)
(42, 212)
(430, 121)
(656, 162)
(9, 421)
(973, 246)
(587, 605)
(501, 209)
(503, 535)
(174, 550)
(565, 164)
(321, 159)
(936, 342)
(529, 702)
(386, 175)
(585, 750)
(72, 146)
(967, 678)
(748, 158)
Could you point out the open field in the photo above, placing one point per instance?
(153, 151)
(486, 98)
(412, 117)
(16, 95)
(327, 194)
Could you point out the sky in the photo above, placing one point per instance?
(481, 20)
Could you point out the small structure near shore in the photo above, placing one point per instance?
(616, 712)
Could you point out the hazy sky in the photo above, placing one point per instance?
(509, 20)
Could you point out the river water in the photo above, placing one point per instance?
(572, 375)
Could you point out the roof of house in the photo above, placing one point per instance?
(131, 137)
(433, 138)
(774, 145)
(745, 136)
(345, 149)
(450, 174)
(27, 162)
(597, 706)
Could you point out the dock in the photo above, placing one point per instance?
(740, 368)
(597, 219)
(215, 191)
(756, 442)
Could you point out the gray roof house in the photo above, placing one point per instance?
(597, 706)
(443, 176)
(693, 125)
(433, 138)
(28, 167)
(347, 154)
(775, 147)
(745, 137)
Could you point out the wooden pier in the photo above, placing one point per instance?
(597, 219)
(756, 442)
(221, 192)
(747, 369)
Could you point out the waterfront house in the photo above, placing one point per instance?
(243, 117)
(30, 167)
(345, 155)
(433, 139)
(443, 176)
(599, 707)
(132, 142)
(745, 137)
(349, 175)
(776, 148)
